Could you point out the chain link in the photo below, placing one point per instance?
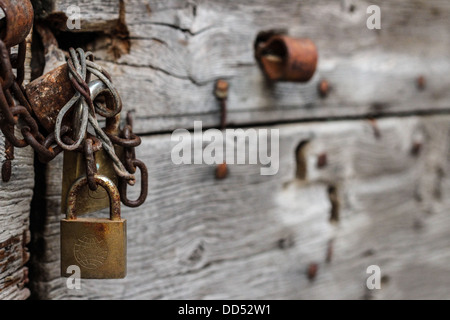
(15, 111)
(129, 141)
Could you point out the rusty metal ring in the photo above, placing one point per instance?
(96, 143)
(144, 187)
(39, 148)
(130, 153)
(51, 140)
(8, 129)
(96, 146)
(8, 132)
(132, 142)
(19, 20)
(26, 116)
(48, 144)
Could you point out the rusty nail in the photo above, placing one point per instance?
(221, 89)
(416, 148)
(322, 160)
(221, 171)
(421, 82)
(312, 271)
(221, 93)
(324, 88)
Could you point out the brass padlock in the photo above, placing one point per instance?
(97, 246)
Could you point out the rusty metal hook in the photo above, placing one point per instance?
(144, 186)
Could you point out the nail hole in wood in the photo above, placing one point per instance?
(300, 154)
(335, 205)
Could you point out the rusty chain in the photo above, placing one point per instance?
(128, 140)
(17, 114)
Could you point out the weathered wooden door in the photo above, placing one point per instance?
(363, 173)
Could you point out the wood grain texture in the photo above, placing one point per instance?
(179, 49)
(15, 198)
(384, 184)
(253, 237)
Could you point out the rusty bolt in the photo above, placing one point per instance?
(322, 160)
(221, 89)
(421, 82)
(312, 271)
(323, 88)
(221, 171)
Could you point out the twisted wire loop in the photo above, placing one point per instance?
(16, 112)
(81, 66)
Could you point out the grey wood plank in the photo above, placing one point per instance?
(179, 49)
(253, 236)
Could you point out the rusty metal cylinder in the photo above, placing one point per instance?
(48, 94)
(18, 19)
(283, 58)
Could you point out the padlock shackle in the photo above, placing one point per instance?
(107, 184)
